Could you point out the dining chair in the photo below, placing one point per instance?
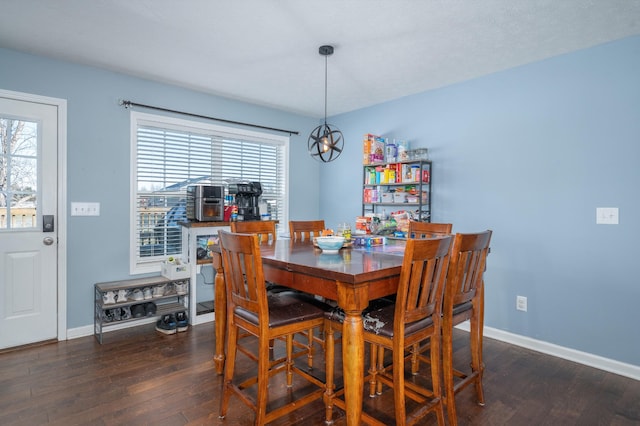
(267, 318)
(428, 229)
(464, 300)
(266, 230)
(305, 229)
(425, 230)
(414, 317)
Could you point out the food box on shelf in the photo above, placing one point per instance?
(174, 271)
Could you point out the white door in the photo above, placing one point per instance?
(28, 197)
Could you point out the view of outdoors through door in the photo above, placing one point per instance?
(18, 171)
(28, 195)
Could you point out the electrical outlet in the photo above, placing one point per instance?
(521, 303)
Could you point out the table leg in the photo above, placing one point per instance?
(353, 300)
(220, 312)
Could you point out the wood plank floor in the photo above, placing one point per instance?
(139, 377)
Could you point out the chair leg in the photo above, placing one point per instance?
(477, 366)
(398, 387)
(329, 353)
(373, 370)
(232, 342)
(380, 368)
(435, 378)
(263, 381)
(447, 366)
(289, 360)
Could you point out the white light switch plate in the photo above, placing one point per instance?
(607, 215)
(85, 209)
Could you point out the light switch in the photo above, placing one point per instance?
(85, 209)
(607, 215)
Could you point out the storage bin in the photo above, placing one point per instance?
(174, 271)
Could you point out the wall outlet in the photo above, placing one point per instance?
(521, 303)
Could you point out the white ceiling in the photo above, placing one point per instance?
(266, 52)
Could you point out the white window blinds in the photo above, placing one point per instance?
(170, 154)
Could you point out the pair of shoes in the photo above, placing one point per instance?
(116, 314)
(167, 324)
(182, 321)
(143, 310)
(170, 323)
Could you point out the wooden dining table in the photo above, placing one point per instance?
(352, 277)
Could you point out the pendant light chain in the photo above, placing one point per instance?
(325, 87)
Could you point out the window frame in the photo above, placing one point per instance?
(138, 119)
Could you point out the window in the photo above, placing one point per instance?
(169, 154)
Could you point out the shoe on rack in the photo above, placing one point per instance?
(125, 313)
(158, 291)
(109, 298)
(137, 294)
(122, 296)
(182, 321)
(107, 315)
(148, 293)
(139, 310)
(181, 288)
(150, 309)
(167, 324)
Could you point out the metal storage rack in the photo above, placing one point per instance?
(375, 196)
(170, 302)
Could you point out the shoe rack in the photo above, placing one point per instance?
(120, 304)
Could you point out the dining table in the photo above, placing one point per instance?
(352, 277)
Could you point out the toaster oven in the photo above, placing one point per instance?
(205, 203)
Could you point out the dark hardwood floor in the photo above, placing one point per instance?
(139, 377)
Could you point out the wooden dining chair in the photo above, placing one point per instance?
(464, 300)
(251, 310)
(305, 229)
(266, 230)
(428, 229)
(415, 316)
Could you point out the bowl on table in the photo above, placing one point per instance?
(329, 244)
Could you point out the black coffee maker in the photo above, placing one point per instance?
(246, 197)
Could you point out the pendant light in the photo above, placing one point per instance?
(325, 142)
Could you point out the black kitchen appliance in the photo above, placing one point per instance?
(205, 203)
(246, 196)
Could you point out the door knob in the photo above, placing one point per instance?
(47, 241)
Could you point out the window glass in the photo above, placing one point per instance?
(18, 173)
(170, 154)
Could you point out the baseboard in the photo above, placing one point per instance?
(595, 361)
(87, 330)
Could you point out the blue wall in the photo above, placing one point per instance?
(98, 165)
(530, 153)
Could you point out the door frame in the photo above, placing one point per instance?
(61, 214)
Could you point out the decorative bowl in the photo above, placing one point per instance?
(330, 244)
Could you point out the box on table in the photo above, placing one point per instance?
(369, 241)
(174, 271)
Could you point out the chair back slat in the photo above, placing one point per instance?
(422, 280)
(305, 229)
